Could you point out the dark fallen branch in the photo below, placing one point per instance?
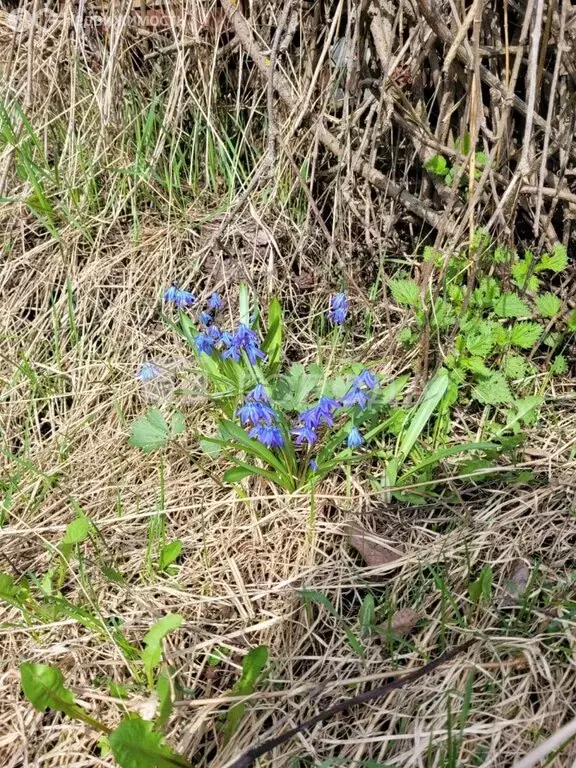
(247, 759)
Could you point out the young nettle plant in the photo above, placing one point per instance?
(293, 426)
(495, 330)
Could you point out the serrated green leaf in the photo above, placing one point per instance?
(514, 367)
(548, 304)
(405, 292)
(150, 432)
(152, 653)
(476, 365)
(557, 261)
(135, 744)
(521, 273)
(169, 553)
(294, 388)
(525, 335)
(493, 391)
(480, 343)
(511, 305)
(436, 164)
(559, 365)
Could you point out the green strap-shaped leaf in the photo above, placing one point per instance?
(431, 397)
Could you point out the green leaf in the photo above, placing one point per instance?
(209, 448)
(514, 367)
(309, 595)
(77, 531)
(294, 388)
(481, 158)
(482, 587)
(177, 424)
(152, 654)
(493, 391)
(135, 744)
(548, 304)
(150, 432)
(431, 397)
(272, 344)
(524, 410)
(436, 164)
(557, 261)
(511, 305)
(44, 688)
(463, 144)
(476, 365)
(521, 272)
(236, 474)
(252, 666)
(164, 693)
(235, 435)
(405, 292)
(480, 343)
(367, 614)
(559, 366)
(169, 553)
(525, 335)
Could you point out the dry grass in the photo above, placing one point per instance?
(244, 560)
(86, 254)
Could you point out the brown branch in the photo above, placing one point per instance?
(247, 759)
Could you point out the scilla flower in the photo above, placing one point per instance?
(252, 413)
(268, 435)
(181, 298)
(355, 439)
(215, 302)
(338, 308)
(304, 434)
(206, 318)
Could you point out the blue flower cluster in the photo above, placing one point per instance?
(181, 298)
(258, 414)
(243, 339)
(322, 414)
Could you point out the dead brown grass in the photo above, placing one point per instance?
(244, 560)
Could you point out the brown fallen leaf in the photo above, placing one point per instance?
(402, 622)
(373, 552)
(516, 585)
